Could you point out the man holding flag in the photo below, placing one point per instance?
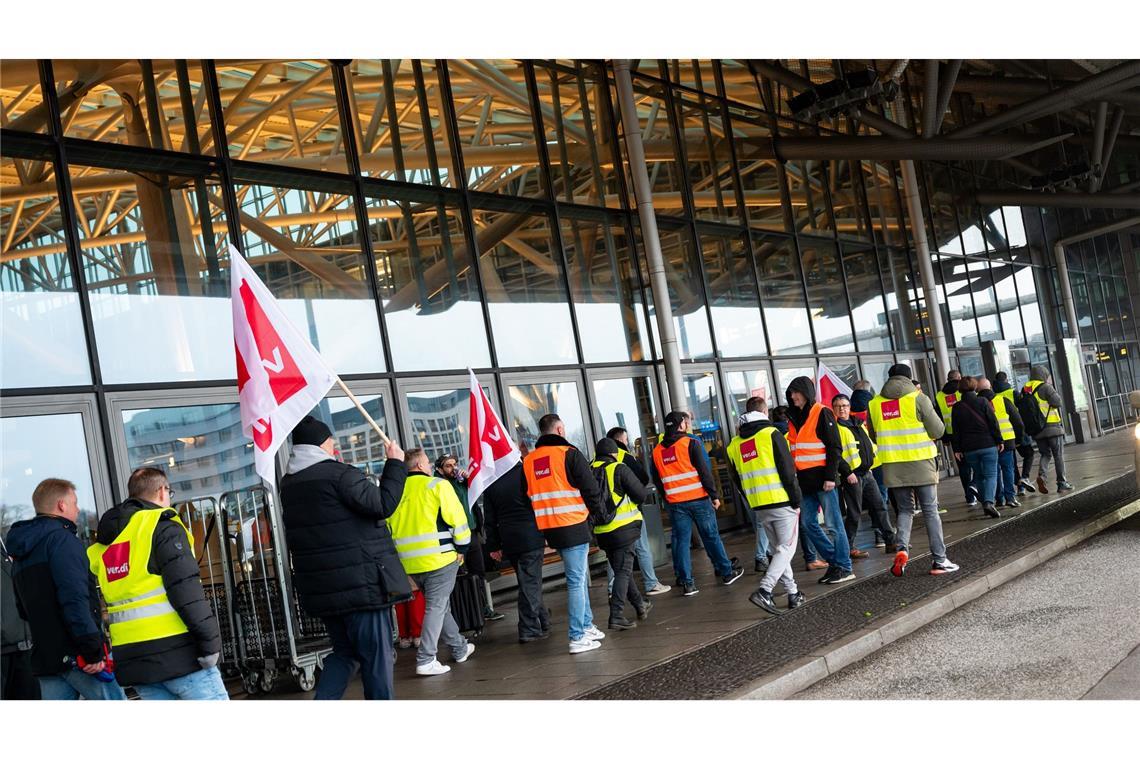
(345, 566)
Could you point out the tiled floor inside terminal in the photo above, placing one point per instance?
(501, 668)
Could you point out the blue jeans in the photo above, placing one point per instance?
(201, 684)
(837, 553)
(701, 513)
(762, 550)
(644, 561)
(1007, 474)
(73, 684)
(359, 639)
(983, 464)
(574, 560)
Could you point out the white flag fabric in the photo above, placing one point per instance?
(490, 451)
(280, 376)
(828, 385)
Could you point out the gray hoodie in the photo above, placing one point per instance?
(923, 472)
(304, 456)
(1049, 394)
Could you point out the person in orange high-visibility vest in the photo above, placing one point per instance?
(683, 476)
(564, 493)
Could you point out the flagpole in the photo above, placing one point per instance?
(367, 416)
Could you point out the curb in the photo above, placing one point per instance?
(805, 671)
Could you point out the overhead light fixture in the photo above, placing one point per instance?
(845, 95)
(1066, 177)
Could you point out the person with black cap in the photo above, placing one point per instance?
(681, 471)
(905, 425)
(346, 568)
(617, 536)
(817, 451)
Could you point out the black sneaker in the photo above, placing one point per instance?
(1063, 486)
(763, 600)
(492, 615)
(760, 566)
(643, 613)
(831, 573)
(621, 624)
(1025, 485)
(796, 599)
(535, 637)
(990, 510)
(1013, 503)
(689, 589)
(975, 494)
(841, 576)
(728, 580)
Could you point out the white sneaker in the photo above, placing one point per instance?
(470, 649)
(584, 645)
(943, 567)
(433, 668)
(660, 588)
(593, 633)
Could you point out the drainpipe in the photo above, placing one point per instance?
(643, 192)
(925, 265)
(1062, 265)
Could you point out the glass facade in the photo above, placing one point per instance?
(419, 217)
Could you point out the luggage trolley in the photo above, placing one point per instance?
(273, 634)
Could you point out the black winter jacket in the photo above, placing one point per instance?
(1011, 410)
(697, 455)
(975, 424)
(56, 593)
(811, 479)
(344, 559)
(625, 484)
(785, 467)
(509, 516)
(580, 475)
(171, 557)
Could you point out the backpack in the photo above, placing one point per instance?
(1030, 411)
(609, 509)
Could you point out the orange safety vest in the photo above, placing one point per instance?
(679, 477)
(807, 450)
(555, 502)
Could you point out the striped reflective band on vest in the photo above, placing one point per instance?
(554, 499)
(679, 476)
(1051, 413)
(117, 614)
(627, 511)
(902, 437)
(1005, 424)
(850, 447)
(754, 459)
(807, 450)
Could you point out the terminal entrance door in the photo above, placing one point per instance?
(436, 412)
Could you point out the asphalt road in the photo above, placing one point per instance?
(1065, 630)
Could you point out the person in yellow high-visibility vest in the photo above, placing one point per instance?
(430, 528)
(617, 536)
(1051, 438)
(1009, 422)
(946, 399)
(859, 488)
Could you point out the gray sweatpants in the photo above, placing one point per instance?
(1052, 448)
(927, 499)
(438, 621)
(781, 526)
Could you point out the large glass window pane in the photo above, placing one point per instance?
(956, 280)
(744, 384)
(660, 152)
(700, 389)
(757, 172)
(875, 372)
(782, 295)
(113, 101)
(627, 402)
(439, 418)
(827, 298)
(683, 275)
(1007, 301)
(708, 159)
(1030, 307)
(154, 265)
(903, 298)
(427, 285)
(399, 121)
(356, 440)
(786, 373)
(531, 401)
(282, 112)
(201, 449)
(43, 446)
(865, 291)
(305, 246)
(985, 306)
(21, 97)
(41, 326)
(492, 105)
(603, 282)
(525, 293)
(807, 186)
(735, 303)
(1083, 306)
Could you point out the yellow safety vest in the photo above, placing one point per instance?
(850, 445)
(1005, 424)
(901, 435)
(1051, 413)
(137, 605)
(755, 461)
(945, 404)
(627, 511)
(428, 524)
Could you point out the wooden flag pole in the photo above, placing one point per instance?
(367, 416)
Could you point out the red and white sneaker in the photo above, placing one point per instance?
(899, 567)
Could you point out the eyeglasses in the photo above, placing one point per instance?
(170, 490)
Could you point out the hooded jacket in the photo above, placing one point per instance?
(510, 516)
(580, 475)
(859, 400)
(812, 479)
(1010, 408)
(1050, 395)
(697, 455)
(925, 471)
(625, 484)
(785, 467)
(56, 593)
(975, 425)
(171, 557)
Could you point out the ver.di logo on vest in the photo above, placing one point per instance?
(117, 560)
(748, 451)
(669, 455)
(542, 467)
(890, 409)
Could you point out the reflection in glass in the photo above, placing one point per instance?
(439, 419)
(757, 173)
(743, 385)
(356, 440)
(985, 306)
(782, 295)
(876, 374)
(708, 161)
(704, 405)
(732, 290)
(35, 448)
(861, 270)
(682, 272)
(627, 402)
(660, 151)
(786, 373)
(428, 287)
(904, 299)
(529, 403)
(201, 449)
(526, 297)
(826, 297)
(1007, 303)
(1030, 306)
(21, 98)
(957, 282)
(41, 326)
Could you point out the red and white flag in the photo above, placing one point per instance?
(280, 376)
(828, 385)
(490, 451)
